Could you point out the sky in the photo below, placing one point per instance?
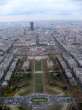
(16, 10)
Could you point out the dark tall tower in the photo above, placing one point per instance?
(31, 26)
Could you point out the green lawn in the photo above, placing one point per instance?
(38, 83)
(38, 66)
(39, 100)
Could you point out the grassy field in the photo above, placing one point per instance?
(39, 100)
(38, 66)
(38, 77)
(38, 83)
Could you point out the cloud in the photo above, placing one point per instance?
(2, 2)
(57, 9)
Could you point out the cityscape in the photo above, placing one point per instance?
(41, 65)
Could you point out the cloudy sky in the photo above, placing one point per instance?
(40, 10)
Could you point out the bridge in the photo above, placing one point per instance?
(37, 99)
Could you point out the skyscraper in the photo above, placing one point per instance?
(31, 26)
